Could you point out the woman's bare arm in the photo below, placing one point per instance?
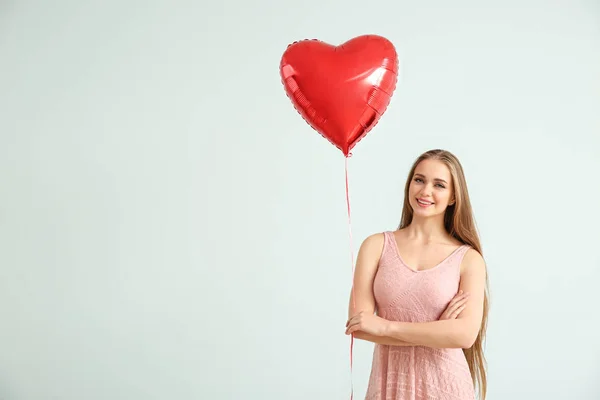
(364, 274)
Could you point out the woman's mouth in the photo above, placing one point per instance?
(424, 203)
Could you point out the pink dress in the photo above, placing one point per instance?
(402, 294)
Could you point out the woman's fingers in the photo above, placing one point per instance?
(457, 312)
(458, 302)
(456, 306)
(461, 301)
(460, 296)
(353, 319)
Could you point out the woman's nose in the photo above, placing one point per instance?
(426, 191)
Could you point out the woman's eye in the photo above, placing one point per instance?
(442, 186)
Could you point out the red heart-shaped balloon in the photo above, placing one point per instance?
(341, 91)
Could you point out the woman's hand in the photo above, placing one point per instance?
(455, 307)
(367, 323)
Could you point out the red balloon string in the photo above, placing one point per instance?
(352, 265)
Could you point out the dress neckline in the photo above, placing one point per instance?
(416, 271)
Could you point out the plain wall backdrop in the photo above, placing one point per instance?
(170, 228)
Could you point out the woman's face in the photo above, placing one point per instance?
(430, 190)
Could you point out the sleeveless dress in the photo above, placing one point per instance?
(403, 294)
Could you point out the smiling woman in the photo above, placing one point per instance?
(420, 291)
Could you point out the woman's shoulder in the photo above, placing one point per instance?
(375, 239)
(372, 248)
(374, 243)
(472, 261)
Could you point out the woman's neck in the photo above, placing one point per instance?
(427, 230)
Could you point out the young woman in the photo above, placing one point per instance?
(420, 292)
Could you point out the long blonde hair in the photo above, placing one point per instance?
(460, 224)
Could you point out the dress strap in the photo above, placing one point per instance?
(388, 242)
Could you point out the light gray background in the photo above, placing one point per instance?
(170, 228)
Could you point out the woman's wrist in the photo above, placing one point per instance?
(392, 329)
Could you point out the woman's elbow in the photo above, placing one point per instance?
(468, 340)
